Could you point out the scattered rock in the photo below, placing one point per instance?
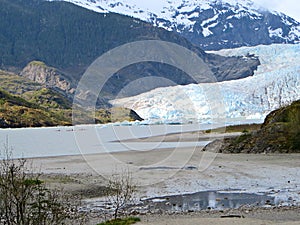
(189, 168)
(232, 216)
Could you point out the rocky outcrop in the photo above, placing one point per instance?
(49, 77)
(3, 123)
(280, 133)
(116, 114)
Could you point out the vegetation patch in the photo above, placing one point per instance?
(24, 103)
(280, 133)
(126, 221)
(17, 112)
(48, 99)
(244, 128)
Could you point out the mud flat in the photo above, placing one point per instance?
(181, 171)
(186, 170)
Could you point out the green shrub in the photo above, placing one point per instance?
(126, 221)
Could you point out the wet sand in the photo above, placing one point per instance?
(184, 137)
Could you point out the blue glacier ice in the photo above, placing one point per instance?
(275, 83)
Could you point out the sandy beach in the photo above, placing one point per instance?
(178, 171)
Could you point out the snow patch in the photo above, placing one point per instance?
(174, 11)
(181, 15)
(275, 33)
(206, 32)
(210, 20)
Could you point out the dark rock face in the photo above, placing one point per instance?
(280, 133)
(116, 115)
(3, 123)
(223, 68)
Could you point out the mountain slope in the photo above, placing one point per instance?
(25, 103)
(69, 38)
(17, 112)
(276, 83)
(211, 24)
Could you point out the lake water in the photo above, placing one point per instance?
(90, 139)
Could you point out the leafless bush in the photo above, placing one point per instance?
(120, 191)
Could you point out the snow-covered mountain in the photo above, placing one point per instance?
(211, 24)
(274, 84)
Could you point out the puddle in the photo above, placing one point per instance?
(208, 200)
(214, 200)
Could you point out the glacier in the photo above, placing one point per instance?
(275, 83)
